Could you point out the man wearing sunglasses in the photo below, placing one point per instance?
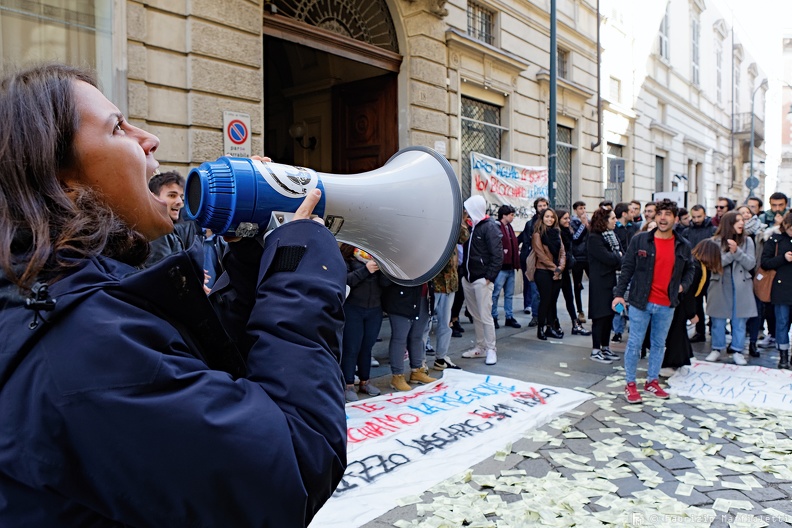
(724, 206)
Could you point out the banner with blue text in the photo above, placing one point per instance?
(504, 183)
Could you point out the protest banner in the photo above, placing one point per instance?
(402, 444)
(728, 383)
(504, 183)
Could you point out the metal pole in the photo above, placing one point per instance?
(551, 143)
(595, 144)
(751, 171)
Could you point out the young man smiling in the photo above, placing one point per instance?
(657, 267)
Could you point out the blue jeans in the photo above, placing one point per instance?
(782, 326)
(361, 328)
(407, 333)
(504, 281)
(618, 324)
(443, 302)
(737, 333)
(659, 317)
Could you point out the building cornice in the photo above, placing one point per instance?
(656, 126)
(464, 43)
(577, 90)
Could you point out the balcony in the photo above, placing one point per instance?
(742, 128)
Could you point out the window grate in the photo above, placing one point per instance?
(564, 148)
(481, 132)
(613, 192)
(481, 23)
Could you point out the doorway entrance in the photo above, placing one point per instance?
(330, 101)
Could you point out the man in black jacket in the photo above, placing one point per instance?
(700, 228)
(657, 268)
(580, 233)
(482, 260)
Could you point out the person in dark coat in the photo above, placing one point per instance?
(707, 259)
(530, 291)
(127, 396)
(604, 256)
(777, 255)
(700, 228)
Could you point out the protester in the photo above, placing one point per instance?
(483, 257)
(511, 262)
(605, 256)
(683, 221)
(656, 267)
(724, 206)
(566, 279)
(700, 228)
(777, 255)
(635, 211)
(707, 259)
(125, 398)
(778, 208)
(753, 229)
(730, 294)
(168, 187)
(530, 291)
(363, 319)
(579, 224)
(550, 263)
(755, 205)
(624, 231)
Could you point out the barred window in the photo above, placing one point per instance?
(616, 164)
(663, 41)
(564, 152)
(563, 64)
(481, 132)
(481, 23)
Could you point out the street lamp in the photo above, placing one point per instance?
(752, 182)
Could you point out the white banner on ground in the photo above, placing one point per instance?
(404, 443)
(725, 383)
(504, 183)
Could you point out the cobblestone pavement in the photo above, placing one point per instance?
(608, 463)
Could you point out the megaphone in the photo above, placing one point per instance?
(406, 214)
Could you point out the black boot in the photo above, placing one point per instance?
(495, 322)
(557, 328)
(783, 362)
(456, 327)
(540, 333)
(552, 332)
(752, 350)
(577, 329)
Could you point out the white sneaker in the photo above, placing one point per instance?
(715, 355)
(492, 357)
(766, 342)
(474, 353)
(739, 359)
(374, 362)
(667, 372)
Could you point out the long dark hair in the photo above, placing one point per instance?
(46, 227)
(726, 230)
(708, 253)
(599, 220)
(540, 226)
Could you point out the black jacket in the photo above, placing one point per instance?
(402, 300)
(603, 265)
(782, 285)
(525, 240)
(695, 234)
(483, 252)
(365, 289)
(625, 233)
(638, 270)
(579, 246)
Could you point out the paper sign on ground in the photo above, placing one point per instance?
(404, 443)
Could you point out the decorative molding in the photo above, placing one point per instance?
(575, 89)
(699, 4)
(753, 70)
(660, 128)
(464, 43)
(436, 7)
(694, 145)
(720, 28)
(738, 52)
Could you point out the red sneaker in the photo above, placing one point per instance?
(632, 394)
(655, 388)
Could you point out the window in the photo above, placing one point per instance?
(695, 35)
(616, 164)
(562, 64)
(659, 173)
(719, 72)
(481, 132)
(481, 23)
(736, 87)
(663, 36)
(75, 32)
(564, 151)
(615, 90)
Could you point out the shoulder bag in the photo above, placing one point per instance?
(763, 281)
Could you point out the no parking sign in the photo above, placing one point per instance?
(236, 134)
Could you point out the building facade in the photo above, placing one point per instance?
(785, 167)
(341, 85)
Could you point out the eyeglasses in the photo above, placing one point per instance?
(720, 207)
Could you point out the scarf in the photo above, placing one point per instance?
(552, 239)
(612, 241)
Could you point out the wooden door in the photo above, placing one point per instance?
(365, 124)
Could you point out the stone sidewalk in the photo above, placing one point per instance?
(627, 461)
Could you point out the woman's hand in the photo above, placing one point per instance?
(372, 266)
(732, 245)
(788, 256)
(694, 319)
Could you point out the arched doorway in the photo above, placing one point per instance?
(330, 84)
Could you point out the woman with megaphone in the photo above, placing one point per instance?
(129, 398)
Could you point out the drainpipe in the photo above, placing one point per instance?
(595, 144)
(551, 143)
